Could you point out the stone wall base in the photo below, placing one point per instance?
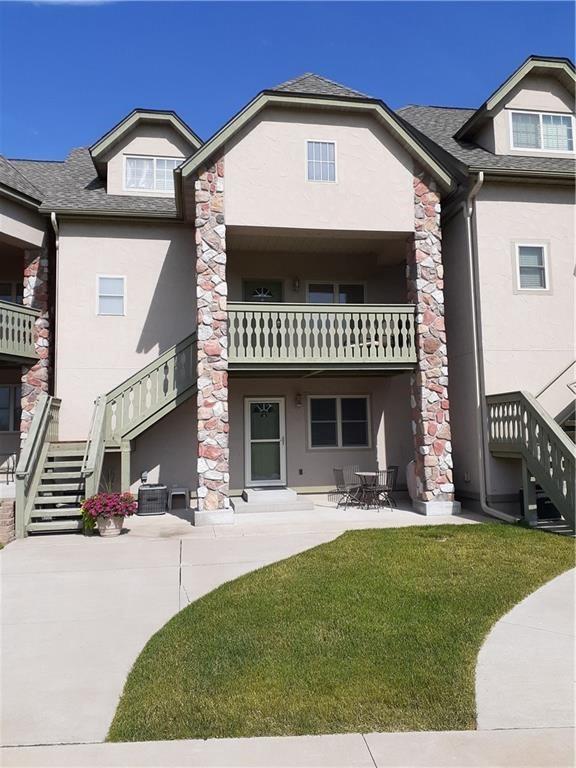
(214, 517)
(431, 508)
(7, 520)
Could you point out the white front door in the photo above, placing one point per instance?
(265, 441)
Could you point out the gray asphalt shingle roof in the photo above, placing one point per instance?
(74, 185)
(316, 85)
(13, 178)
(441, 123)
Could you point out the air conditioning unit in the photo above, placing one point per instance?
(152, 499)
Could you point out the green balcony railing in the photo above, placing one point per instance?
(321, 334)
(17, 331)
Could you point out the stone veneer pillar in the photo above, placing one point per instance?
(212, 360)
(429, 382)
(35, 378)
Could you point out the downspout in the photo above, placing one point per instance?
(469, 210)
(56, 228)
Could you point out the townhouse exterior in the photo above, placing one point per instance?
(324, 282)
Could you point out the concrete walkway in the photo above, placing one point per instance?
(525, 671)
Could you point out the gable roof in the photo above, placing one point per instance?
(316, 85)
(12, 181)
(137, 116)
(442, 125)
(559, 67)
(286, 98)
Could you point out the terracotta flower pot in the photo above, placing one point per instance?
(110, 526)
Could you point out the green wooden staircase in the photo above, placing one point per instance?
(53, 477)
(519, 427)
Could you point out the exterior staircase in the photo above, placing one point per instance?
(53, 477)
(519, 427)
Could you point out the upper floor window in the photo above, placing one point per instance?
(321, 161)
(532, 268)
(542, 131)
(111, 295)
(150, 174)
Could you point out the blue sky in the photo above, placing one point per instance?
(69, 71)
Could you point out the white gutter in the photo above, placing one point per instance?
(469, 210)
(56, 228)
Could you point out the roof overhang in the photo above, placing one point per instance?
(19, 197)
(561, 68)
(138, 116)
(373, 107)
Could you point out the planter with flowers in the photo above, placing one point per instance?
(107, 511)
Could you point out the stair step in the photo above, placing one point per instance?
(72, 498)
(55, 487)
(67, 463)
(72, 445)
(55, 525)
(63, 475)
(56, 512)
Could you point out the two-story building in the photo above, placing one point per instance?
(324, 282)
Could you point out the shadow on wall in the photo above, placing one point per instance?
(172, 311)
(399, 445)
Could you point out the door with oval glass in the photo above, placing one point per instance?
(265, 441)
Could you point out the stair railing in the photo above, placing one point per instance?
(518, 425)
(95, 448)
(136, 403)
(43, 430)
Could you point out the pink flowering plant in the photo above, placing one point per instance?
(107, 505)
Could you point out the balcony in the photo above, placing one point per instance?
(320, 338)
(17, 333)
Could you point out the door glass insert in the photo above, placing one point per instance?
(263, 291)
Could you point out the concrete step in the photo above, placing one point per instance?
(299, 505)
(271, 495)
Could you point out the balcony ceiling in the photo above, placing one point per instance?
(390, 247)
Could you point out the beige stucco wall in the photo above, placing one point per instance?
(383, 284)
(94, 353)
(312, 468)
(545, 94)
(266, 181)
(527, 338)
(21, 225)
(144, 139)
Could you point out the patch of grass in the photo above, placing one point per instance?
(376, 631)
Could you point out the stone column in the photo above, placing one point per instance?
(35, 378)
(211, 292)
(429, 382)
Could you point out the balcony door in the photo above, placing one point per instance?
(265, 441)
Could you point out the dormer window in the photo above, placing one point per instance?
(150, 174)
(542, 131)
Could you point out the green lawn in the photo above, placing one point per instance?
(376, 631)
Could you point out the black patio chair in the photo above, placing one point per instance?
(394, 469)
(346, 491)
(385, 485)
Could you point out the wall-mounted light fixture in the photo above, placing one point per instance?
(298, 400)
(295, 283)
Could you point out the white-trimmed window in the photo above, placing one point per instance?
(545, 131)
(339, 422)
(111, 295)
(321, 161)
(532, 264)
(336, 293)
(150, 174)
(10, 408)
